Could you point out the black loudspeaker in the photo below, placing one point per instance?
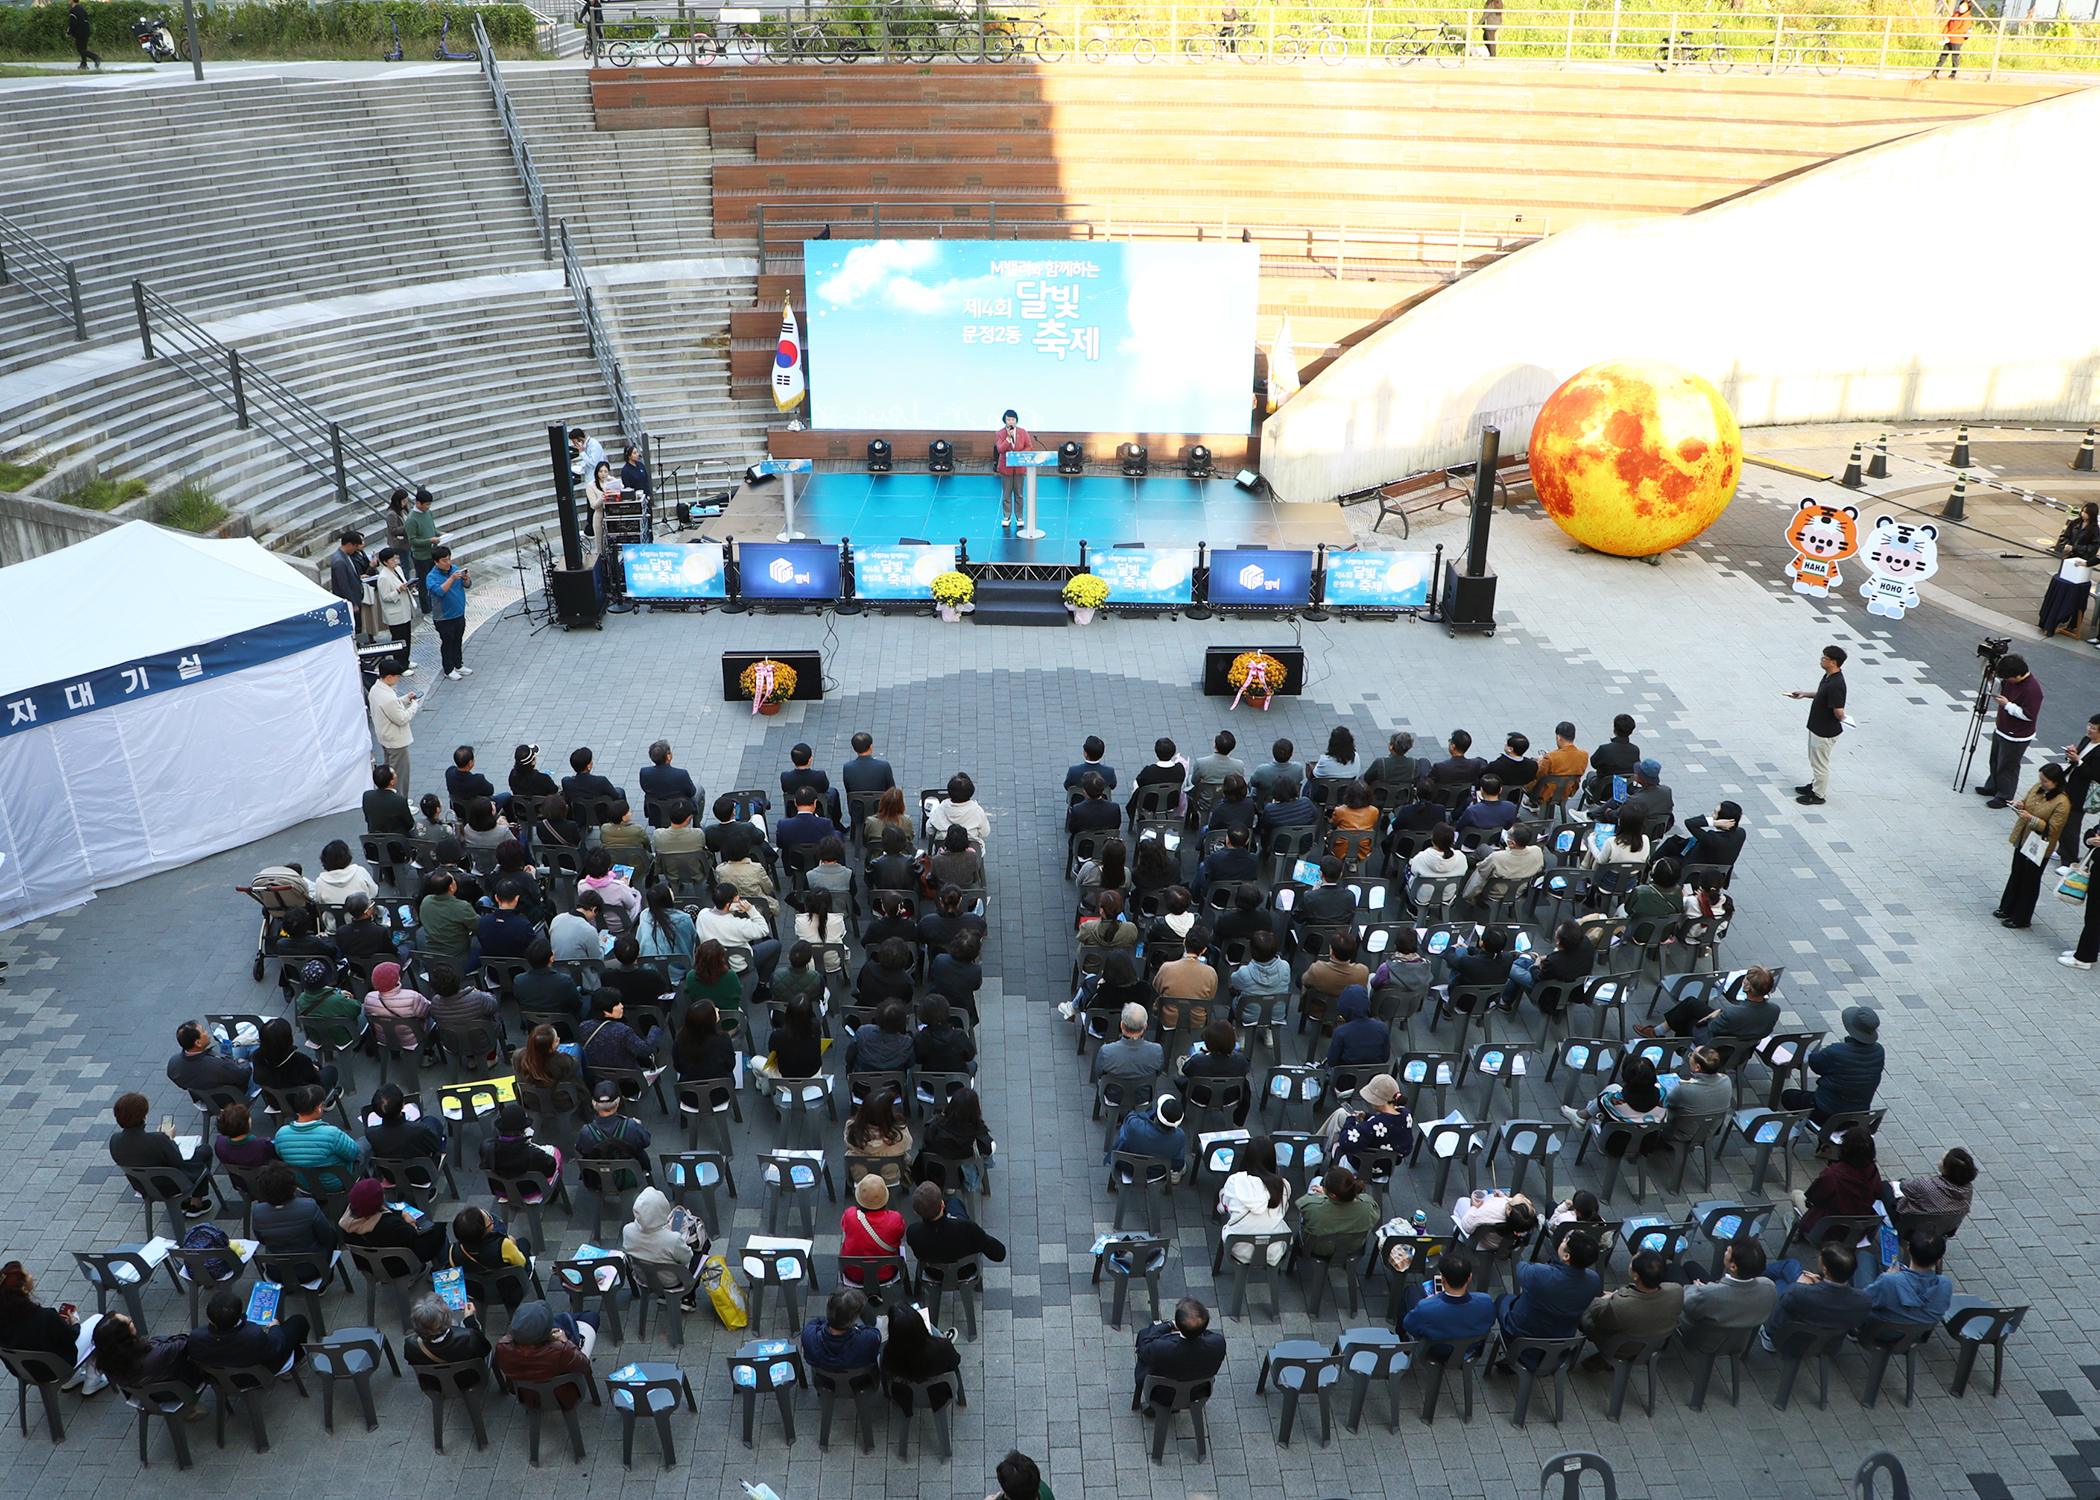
(1469, 599)
(1217, 661)
(808, 665)
(577, 599)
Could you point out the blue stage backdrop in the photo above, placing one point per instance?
(902, 572)
(1378, 580)
(943, 335)
(1145, 575)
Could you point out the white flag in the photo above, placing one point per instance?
(1283, 365)
(788, 385)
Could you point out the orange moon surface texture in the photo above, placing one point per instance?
(1634, 456)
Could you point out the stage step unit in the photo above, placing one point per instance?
(1012, 601)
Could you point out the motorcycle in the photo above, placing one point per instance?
(156, 40)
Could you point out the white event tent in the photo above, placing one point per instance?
(164, 697)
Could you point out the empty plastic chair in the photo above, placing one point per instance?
(787, 1269)
(767, 1367)
(47, 1372)
(1142, 1180)
(964, 1276)
(350, 1354)
(391, 1267)
(1626, 1353)
(1706, 1345)
(860, 1386)
(1370, 1354)
(651, 1389)
(1448, 1141)
(1972, 1323)
(1566, 1470)
(1583, 1058)
(1257, 1263)
(1797, 1344)
(1884, 1462)
(1301, 1368)
(682, 1172)
(1523, 1142)
(1123, 1256)
(247, 1384)
(1766, 1131)
(1882, 1341)
(1531, 1358)
(171, 1401)
(790, 1178)
(664, 1286)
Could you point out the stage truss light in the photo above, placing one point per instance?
(879, 456)
(940, 457)
(1199, 462)
(1071, 458)
(1137, 459)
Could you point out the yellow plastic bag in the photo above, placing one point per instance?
(723, 1292)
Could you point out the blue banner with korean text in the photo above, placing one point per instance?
(171, 671)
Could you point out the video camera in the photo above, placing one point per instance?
(1991, 648)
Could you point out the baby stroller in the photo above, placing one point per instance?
(279, 891)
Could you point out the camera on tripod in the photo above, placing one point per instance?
(1991, 647)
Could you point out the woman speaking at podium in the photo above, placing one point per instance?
(1011, 438)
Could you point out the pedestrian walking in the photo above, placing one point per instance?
(80, 26)
(1826, 721)
(1957, 30)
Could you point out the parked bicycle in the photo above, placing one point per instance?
(1679, 50)
(1443, 43)
(1300, 41)
(1814, 47)
(1235, 35)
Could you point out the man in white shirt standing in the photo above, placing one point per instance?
(391, 710)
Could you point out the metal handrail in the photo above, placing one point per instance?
(360, 473)
(29, 263)
(1701, 37)
(615, 379)
(520, 152)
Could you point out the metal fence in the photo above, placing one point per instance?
(360, 474)
(1429, 245)
(32, 265)
(520, 152)
(1709, 37)
(601, 341)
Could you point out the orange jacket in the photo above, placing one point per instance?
(1958, 28)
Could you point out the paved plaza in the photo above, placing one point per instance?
(1878, 898)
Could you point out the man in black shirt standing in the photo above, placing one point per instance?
(1826, 721)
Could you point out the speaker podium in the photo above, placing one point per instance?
(1469, 599)
(578, 601)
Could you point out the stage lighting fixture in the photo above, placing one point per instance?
(1071, 458)
(1199, 462)
(1250, 481)
(1136, 459)
(940, 457)
(878, 456)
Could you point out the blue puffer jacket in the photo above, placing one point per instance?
(1848, 1073)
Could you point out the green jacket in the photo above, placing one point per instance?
(329, 1002)
(1651, 901)
(422, 534)
(450, 925)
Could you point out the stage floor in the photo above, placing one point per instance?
(1165, 510)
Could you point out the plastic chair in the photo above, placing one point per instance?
(1637, 1138)
(1434, 1368)
(391, 1267)
(1301, 1368)
(666, 1286)
(682, 1172)
(1785, 1053)
(192, 1271)
(1289, 1084)
(921, 1393)
(584, 1282)
(1696, 1133)
(1116, 1097)
(1702, 1349)
(466, 1106)
(1419, 1072)
(1882, 1340)
(1493, 1063)
(709, 1099)
(1167, 1398)
(548, 1393)
(1584, 1057)
(1795, 1345)
(525, 1194)
(163, 1187)
(414, 1179)
(1523, 1142)
(1132, 1178)
(1346, 1257)
(460, 1381)
(598, 1182)
(47, 1372)
(651, 1388)
(858, 1384)
(1569, 1468)
(1256, 1264)
(351, 1354)
(1766, 1131)
(1448, 1141)
(1531, 1358)
(800, 1097)
(1370, 1354)
(553, 1107)
(1722, 1224)
(167, 1399)
(1606, 994)
(1972, 1323)
(247, 1384)
(767, 1367)
(1626, 1353)
(891, 1171)
(1876, 1464)
(1126, 1256)
(790, 1270)
(966, 1276)
(290, 1272)
(793, 1179)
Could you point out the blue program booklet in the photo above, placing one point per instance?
(262, 1302)
(451, 1287)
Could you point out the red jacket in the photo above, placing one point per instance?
(887, 1239)
(1004, 442)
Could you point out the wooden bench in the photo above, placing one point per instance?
(1437, 488)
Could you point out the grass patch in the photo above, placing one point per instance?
(106, 494)
(15, 476)
(10, 70)
(192, 508)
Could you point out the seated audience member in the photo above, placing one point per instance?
(1615, 757)
(485, 828)
(290, 1225)
(1335, 1213)
(619, 904)
(432, 821)
(797, 979)
(802, 775)
(510, 1150)
(806, 826)
(368, 1222)
(1634, 1100)
(914, 1355)
(942, 1045)
(1219, 1056)
(449, 924)
(1754, 1016)
(637, 983)
(1108, 931)
(1093, 812)
(737, 926)
(884, 1045)
(526, 777)
(1398, 766)
(754, 883)
(1295, 811)
(1328, 904)
(1552, 1295)
(390, 1004)
(1848, 1070)
(584, 782)
(1185, 1349)
(306, 1141)
(831, 876)
(1156, 1132)
(956, 863)
(300, 940)
(870, 1227)
(1571, 959)
(1564, 759)
(1281, 779)
(393, 1136)
(1440, 861)
(1358, 1039)
(1169, 769)
(1742, 1298)
(663, 783)
(609, 1042)
(1820, 1300)
(1715, 840)
(1699, 1097)
(940, 1237)
(386, 810)
(505, 932)
(281, 1063)
(1339, 763)
(341, 877)
(132, 1361)
(795, 1047)
(1189, 981)
(542, 987)
(556, 828)
(955, 975)
(1153, 866)
(229, 1338)
(1234, 860)
(463, 783)
(481, 1244)
(703, 1049)
(456, 1002)
(544, 1345)
(961, 806)
(957, 1133)
(1118, 985)
(886, 976)
(821, 927)
(1130, 1058)
(1207, 774)
(1850, 1187)
(1458, 769)
(1647, 1307)
(1092, 751)
(200, 1067)
(678, 836)
(620, 833)
(440, 1336)
(237, 1145)
(1383, 1126)
(1520, 859)
(361, 935)
(867, 772)
(650, 1237)
(1245, 919)
(666, 933)
(1948, 1191)
(1513, 768)
(1108, 870)
(135, 1147)
(839, 1341)
(1457, 1318)
(1401, 983)
(1485, 960)
(541, 1062)
(1647, 804)
(1490, 812)
(890, 812)
(1254, 1200)
(892, 868)
(1659, 897)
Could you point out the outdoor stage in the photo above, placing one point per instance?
(1163, 510)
